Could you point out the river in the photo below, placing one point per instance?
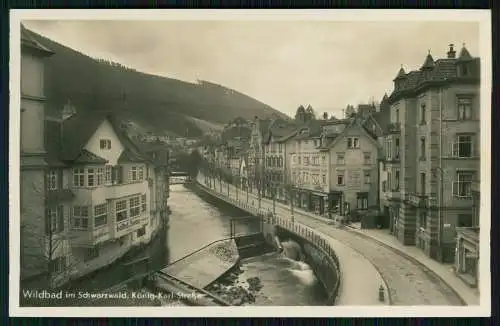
(195, 222)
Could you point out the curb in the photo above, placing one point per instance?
(413, 260)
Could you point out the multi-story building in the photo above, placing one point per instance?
(275, 158)
(256, 152)
(432, 152)
(308, 168)
(33, 162)
(104, 195)
(353, 168)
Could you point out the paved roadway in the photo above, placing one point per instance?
(409, 283)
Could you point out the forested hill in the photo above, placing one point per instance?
(157, 103)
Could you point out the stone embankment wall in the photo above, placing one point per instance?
(319, 252)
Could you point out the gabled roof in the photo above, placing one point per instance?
(66, 144)
(357, 123)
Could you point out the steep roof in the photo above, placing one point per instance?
(429, 62)
(440, 70)
(28, 41)
(66, 143)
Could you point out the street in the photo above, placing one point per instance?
(409, 283)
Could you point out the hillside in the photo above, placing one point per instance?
(154, 102)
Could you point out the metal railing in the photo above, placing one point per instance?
(302, 231)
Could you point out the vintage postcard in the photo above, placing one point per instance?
(250, 163)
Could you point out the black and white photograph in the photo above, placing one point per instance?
(330, 163)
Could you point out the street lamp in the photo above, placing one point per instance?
(441, 226)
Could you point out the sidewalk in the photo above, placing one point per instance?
(444, 271)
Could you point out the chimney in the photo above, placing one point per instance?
(451, 53)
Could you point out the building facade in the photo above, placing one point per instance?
(432, 152)
(33, 164)
(353, 168)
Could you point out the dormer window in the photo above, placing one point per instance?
(105, 144)
(463, 70)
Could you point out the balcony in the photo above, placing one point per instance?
(416, 200)
(126, 189)
(394, 128)
(89, 238)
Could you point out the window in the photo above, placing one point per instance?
(121, 210)
(79, 177)
(422, 183)
(389, 180)
(464, 220)
(367, 158)
(52, 180)
(397, 115)
(462, 185)
(54, 220)
(143, 203)
(423, 220)
(80, 217)
(299, 158)
(396, 181)
(141, 232)
(422, 114)
(422, 149)
(135, 206)
(57, 265)
(340, 159)
(108, 174)
(323, 159)
(340, 178)
(100, 176)
(384, 186)
(462, 148)
(105, 144)
(388, 152)
(90, 177)
(464, 108)
(280, 148)
(100, 215)
(323, 178)
(117, 174)
(352, 142)
(362, 201)
(367, 177)
(91, 253)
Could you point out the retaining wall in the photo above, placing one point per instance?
(319, 252)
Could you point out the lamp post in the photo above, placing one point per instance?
(441, 222)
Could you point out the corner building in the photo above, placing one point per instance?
(432, 152)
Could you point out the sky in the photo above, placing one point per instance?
(327, 64)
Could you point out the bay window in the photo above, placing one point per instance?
(100, 215)
(80, 217)
(121, 210)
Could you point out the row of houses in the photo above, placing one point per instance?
(414, 158)
(88, 194)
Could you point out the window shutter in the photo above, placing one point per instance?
(454, 150)
(60, 216)
(455, 188)
(47, 221)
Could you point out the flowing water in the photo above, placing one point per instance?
(285, 279)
